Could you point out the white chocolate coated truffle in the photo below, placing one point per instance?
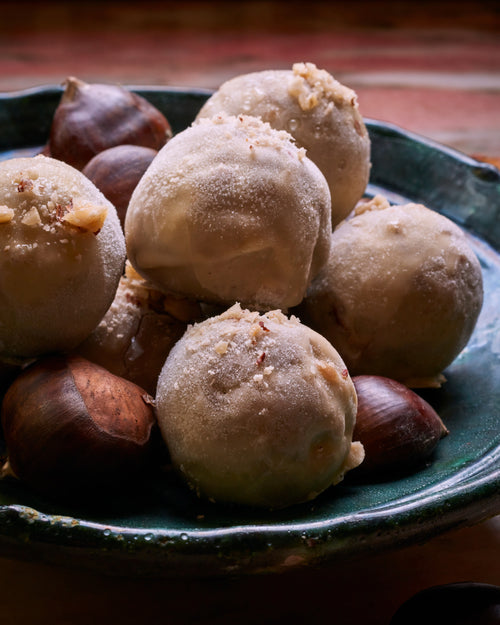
(230, 210)
(400, 295)
(138, 331)
(257, 410)
(63, 253)
(320, 112)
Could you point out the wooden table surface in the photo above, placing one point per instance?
(430, 67)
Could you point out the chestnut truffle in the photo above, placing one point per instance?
(63, 253)
(230, 210)
(318, 111)
(400, 294)
(257, 409)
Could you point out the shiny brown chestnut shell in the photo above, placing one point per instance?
(72, 427)
(116, 172)
(398, 429)
(93, 117)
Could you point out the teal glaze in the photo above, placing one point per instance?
(162, 530)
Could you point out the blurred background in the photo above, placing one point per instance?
(430, 67)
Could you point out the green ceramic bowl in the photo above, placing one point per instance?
(163, 530)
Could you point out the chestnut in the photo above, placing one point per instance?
(116, 172)
(458, 603)
(71, 427)
(93, 117)
(398, 429)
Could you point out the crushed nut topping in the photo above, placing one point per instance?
(86, 217)
(32, 217)
(222, 347)
(25, 185)
(329, 372)
(6, 214)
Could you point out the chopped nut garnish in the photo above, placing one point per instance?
(260, 358)
(131, 299)
(378, 202)
(32, 218)
(61, 210)
(6, 214)
(311, 85)
(131, 273)
(24, 185)
(87, 217)
(328, 371)
(221, 347)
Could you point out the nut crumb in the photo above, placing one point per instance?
(32, 217)
(221, 347)
(6, 214)
(25, 185)
(328, 371)
(87, 217)
(260, 358)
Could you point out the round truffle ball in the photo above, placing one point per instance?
(230, 210)
(257, 409)
(400, 294)
(318, 111)
(138, 331)
(63, 253)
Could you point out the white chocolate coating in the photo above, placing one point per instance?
(63, 253)
(230, 210)
(400, 295)
(318, 111)
(257, 410)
